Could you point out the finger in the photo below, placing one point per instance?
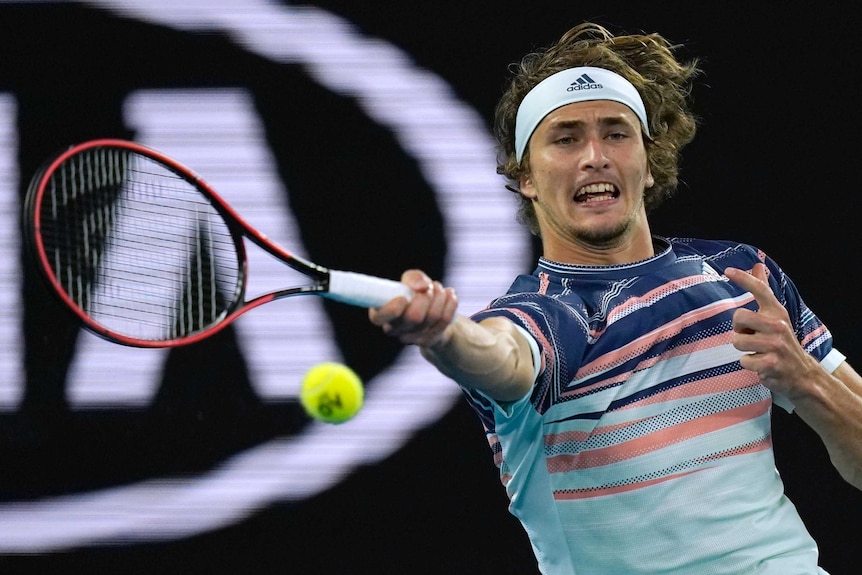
(767, 322)
(451, 304)
(417, 280)
(761, 272)
(388, 312)
(423, 303)
(751, 362)
(744, 321)
(767, 366)
(750, 342)
(756, 283)
(437, 301)
(444, 308)
(426, 322)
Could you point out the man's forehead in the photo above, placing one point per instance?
(592, 111)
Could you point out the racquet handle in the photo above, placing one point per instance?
(364, 290)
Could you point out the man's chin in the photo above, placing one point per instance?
(602, 237)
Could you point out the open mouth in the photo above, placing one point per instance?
(596, 193)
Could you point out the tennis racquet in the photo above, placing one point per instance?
(148, 255)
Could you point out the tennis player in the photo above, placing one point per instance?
(626, 385)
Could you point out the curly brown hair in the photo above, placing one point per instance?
(647, 61)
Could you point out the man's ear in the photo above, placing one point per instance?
(650, 181)
(525, 184)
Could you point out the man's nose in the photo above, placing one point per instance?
(594, 154)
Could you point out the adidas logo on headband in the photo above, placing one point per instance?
(584, 82)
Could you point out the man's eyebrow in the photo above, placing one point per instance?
(614, 121)
(567, 124)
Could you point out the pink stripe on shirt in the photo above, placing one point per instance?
(658, 439)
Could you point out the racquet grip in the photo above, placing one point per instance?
(364, 290)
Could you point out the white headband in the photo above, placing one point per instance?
(570, 86)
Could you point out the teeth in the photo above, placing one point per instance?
(593, 199)
(596, 189)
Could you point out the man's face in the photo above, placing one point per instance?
(588, 171)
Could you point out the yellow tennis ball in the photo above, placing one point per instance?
(331, 392)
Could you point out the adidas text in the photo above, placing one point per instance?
(576, 87)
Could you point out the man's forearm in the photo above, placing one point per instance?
(834, 411)
(491, 357)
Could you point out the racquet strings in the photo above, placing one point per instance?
(137, 247)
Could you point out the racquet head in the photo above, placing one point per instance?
(134, 244)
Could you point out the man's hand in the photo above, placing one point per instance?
(423, 320)
(768, 338)
(491, 356)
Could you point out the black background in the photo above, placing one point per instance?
(775, 164)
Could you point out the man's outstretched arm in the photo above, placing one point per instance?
(491, 356)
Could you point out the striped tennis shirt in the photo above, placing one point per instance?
(644, 446)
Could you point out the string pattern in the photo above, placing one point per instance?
(136, 246)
